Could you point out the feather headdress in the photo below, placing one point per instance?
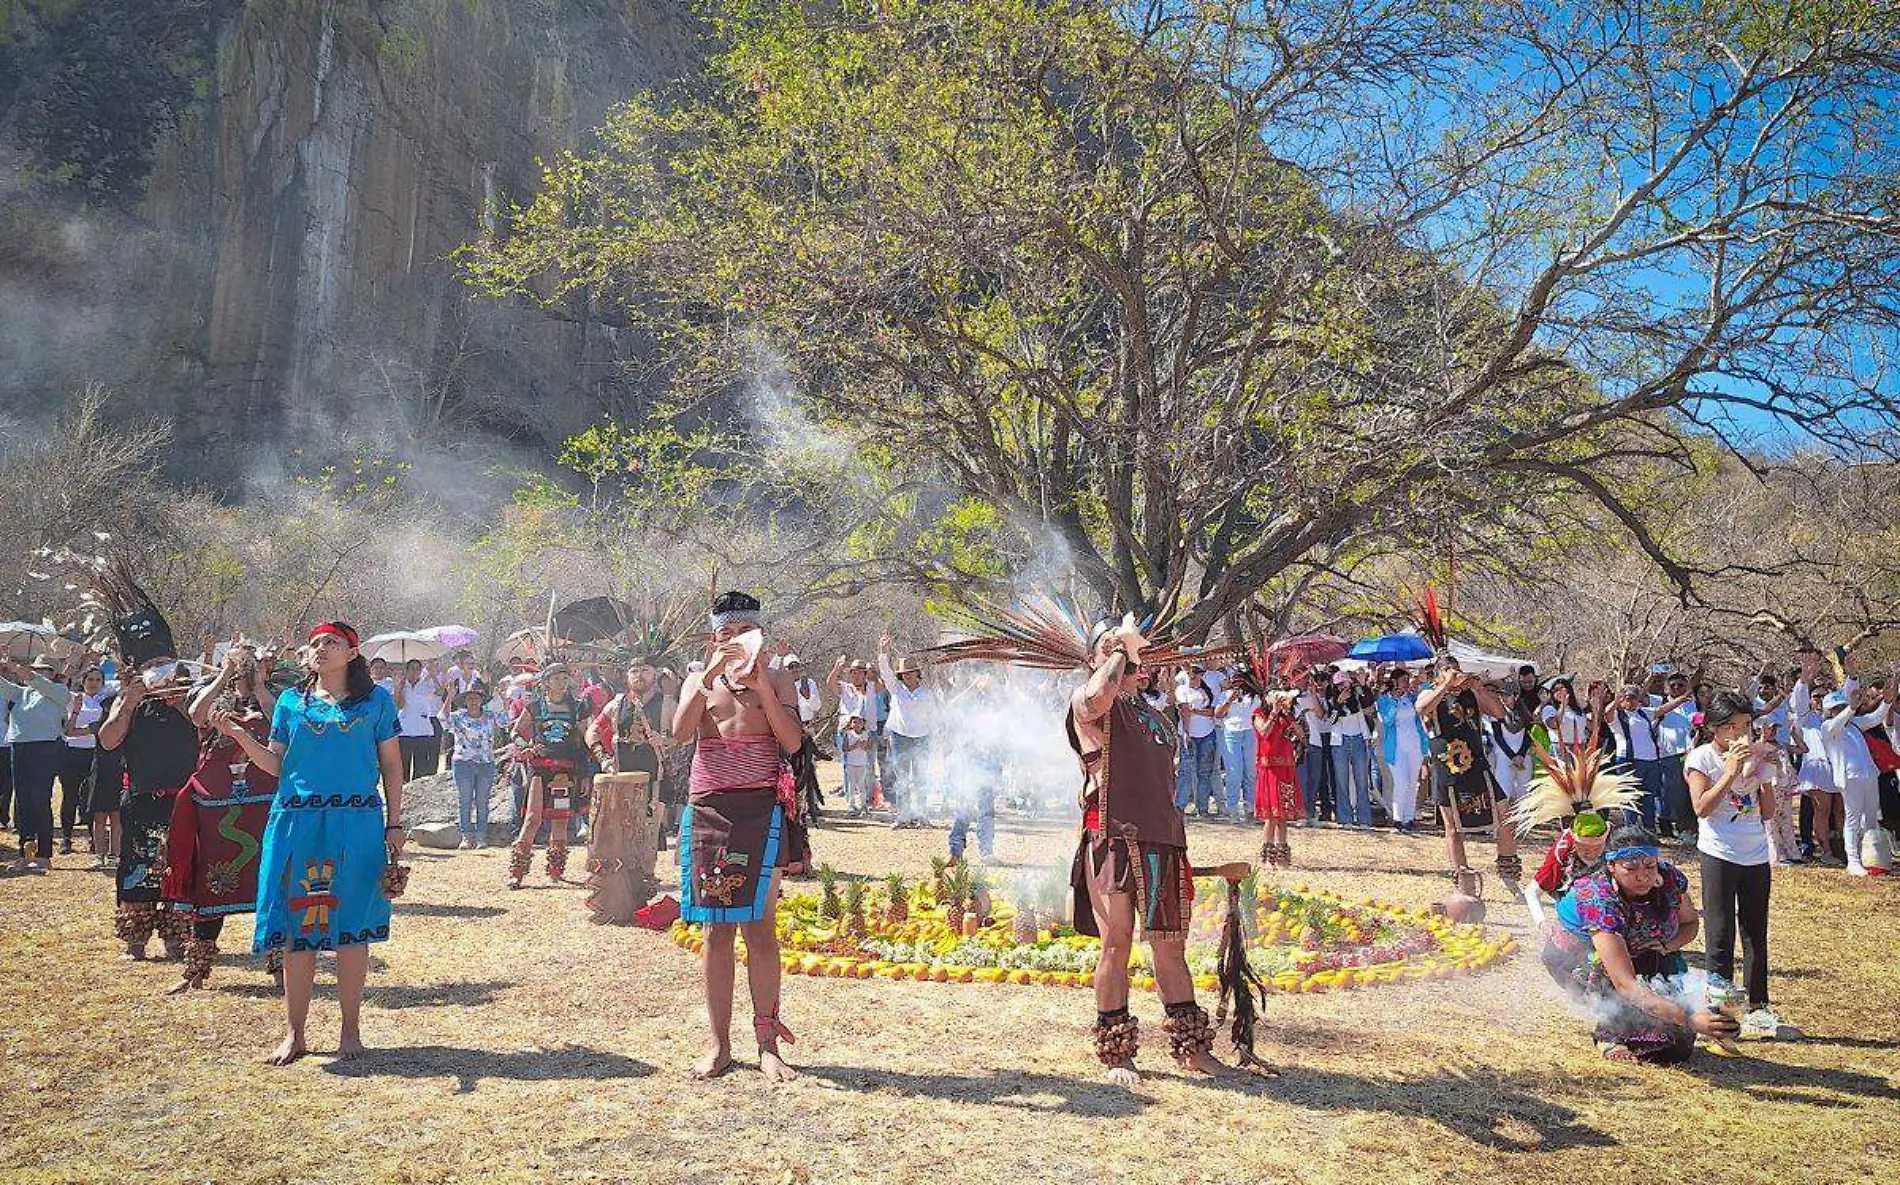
(1050, 631)
(1431, 622)
(144, 637)
(1575, 782)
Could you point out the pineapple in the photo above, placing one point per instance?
(938, 864)
(897, 908)
(1025, 931)
(828, 907)
(854, 909)
(956, 883)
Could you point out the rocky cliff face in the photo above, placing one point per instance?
(284, 279)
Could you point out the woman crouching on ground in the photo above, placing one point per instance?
(1620, 929)
(321, 882)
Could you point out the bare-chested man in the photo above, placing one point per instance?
(1133, 859)
(741, 824)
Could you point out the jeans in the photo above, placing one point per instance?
(1731, 893)
(1676, 808)
(905, 787)
(474, 786)
(1237, 756)
(1352, 780)
(34, 765)
(1195, 780)
(982, 805)
(1316, 780)
(1649, 774)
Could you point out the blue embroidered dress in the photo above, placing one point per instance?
(320, 876)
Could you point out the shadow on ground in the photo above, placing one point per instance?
(389, 995)
(1019, 1091)
(470, 1066)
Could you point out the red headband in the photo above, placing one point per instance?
(337, 628)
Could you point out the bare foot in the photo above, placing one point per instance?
(286, 1053)
(1617, 1053)
(1204, 1063)
(713, 1065)
(774, 1068)
(1124, 1075)
(181, 987)
(349, 1048)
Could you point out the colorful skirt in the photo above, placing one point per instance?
(320, 877)
(730, 844)
(1159, 878)
(1276, 794)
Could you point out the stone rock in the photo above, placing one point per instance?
(436, 835)
(431, 799)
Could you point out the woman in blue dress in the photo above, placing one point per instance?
(331, 830)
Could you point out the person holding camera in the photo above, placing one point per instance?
(1454, 709)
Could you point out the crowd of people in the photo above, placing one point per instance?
(1797, 767)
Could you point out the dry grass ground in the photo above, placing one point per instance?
(517, 1043)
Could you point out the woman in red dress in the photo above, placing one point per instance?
(1276, 795)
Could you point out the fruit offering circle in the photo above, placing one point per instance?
(1299, 940)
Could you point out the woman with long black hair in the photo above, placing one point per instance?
(331, 834)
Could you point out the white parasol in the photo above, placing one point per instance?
(27, 639)
(403, 645)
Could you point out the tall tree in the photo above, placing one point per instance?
(1221, 293)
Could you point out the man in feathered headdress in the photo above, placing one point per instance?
(146, 725)
(1133, 861)
(1454, 708)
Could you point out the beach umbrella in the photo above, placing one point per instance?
(25, 639)
(525, 643)
(592, 619)
(1392, 648)
(1308, 650)
(455, 637)
(403, 645)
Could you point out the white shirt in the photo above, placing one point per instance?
(1570, 726)
(1239, 717)
(856, 758)
(1318, 726)
(1734, 832)
(856, 701)
(458, 681)
(1191, 696)
(87, 716)
(811, 701)
(1635, 733)
(1804, 727)
(1350, 723)
(912, 712)
(421, 703)
(1847, 752)
(1675, 733)
(1778, 718)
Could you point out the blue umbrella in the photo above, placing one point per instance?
(1391, 648)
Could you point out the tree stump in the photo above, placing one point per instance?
(622, 847)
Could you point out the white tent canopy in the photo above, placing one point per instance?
(1491, 666)
(1474, 660)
